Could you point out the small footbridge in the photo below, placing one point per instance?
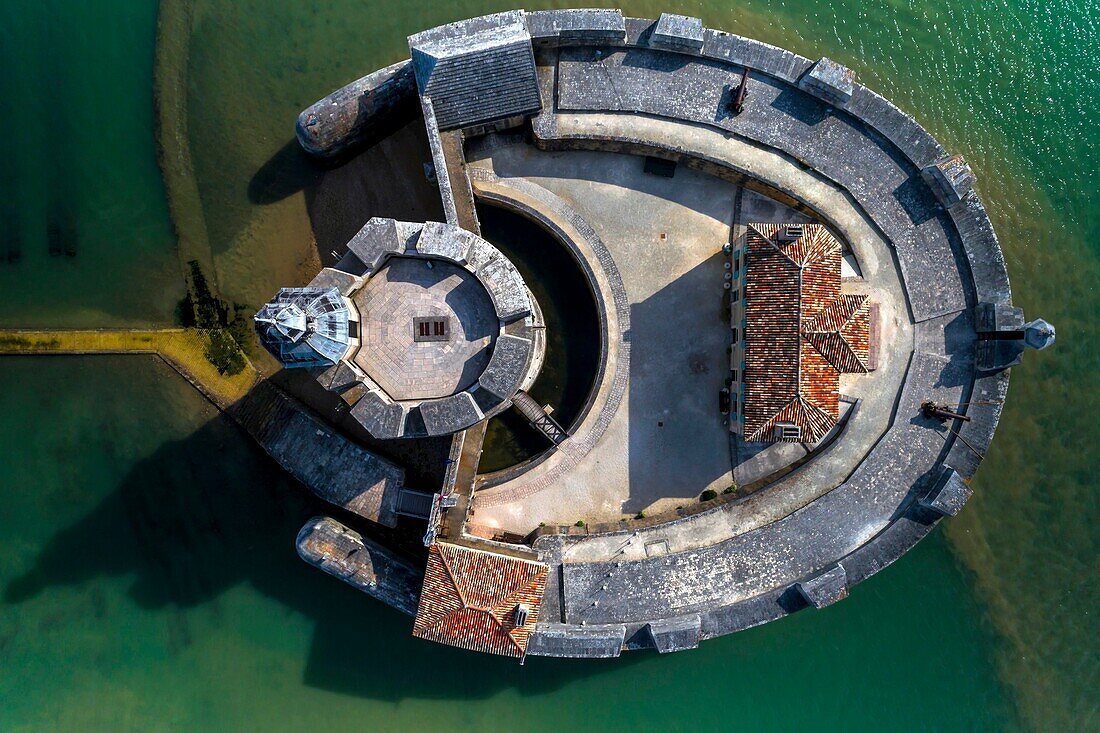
(539, 418)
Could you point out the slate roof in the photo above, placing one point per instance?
(801, 333)
(470, 596)
(477, 70)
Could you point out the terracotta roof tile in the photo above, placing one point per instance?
(470, 596)
(800, 331)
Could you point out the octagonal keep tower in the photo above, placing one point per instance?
(423, 329)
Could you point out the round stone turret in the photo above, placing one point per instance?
(440, 330)
(1039, 334)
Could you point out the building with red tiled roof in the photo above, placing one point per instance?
(479, 600)
(800, 334)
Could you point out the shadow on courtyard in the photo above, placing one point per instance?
(679, 442)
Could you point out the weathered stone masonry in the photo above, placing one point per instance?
(920, 198)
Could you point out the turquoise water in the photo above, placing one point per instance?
(150, 582)
(149, 579)
(79, 158)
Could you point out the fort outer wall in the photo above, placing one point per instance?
(930, 487)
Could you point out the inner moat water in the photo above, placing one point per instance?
(149, 580)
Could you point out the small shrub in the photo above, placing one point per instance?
(731, 489)
(542, 524)
(580, 523)
(241, 329)
(640, 515)
(223, 352)
(708, 495)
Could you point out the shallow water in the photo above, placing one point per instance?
(149, 579)
(79, 159)
(150, 582)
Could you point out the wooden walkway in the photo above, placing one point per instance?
(181, 348)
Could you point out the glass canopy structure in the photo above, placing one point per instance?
(305, 327)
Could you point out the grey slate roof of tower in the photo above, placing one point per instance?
(478, 70)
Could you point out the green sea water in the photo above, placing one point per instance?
(148, 579)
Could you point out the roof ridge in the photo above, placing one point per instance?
(451, 575)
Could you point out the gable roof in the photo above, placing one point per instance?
(477, 70)
(470, 596)
(801, 333)
(840, 333)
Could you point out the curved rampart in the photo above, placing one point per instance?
(596, 62)
(949, 260)
(364, 110)
(613, 309)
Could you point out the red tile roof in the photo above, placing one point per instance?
(800, 331)
(470, 596)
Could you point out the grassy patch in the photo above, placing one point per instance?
(223, 352)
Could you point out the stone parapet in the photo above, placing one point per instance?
(560, 640)
(825, 588)
(360, 113)
(829, 81)
(678, 33)
(948, 493)
(950, 178)
(576, 26)
(675, 634)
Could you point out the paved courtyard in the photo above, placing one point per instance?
(667, 441)
(390, 304)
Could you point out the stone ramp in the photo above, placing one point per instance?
(334, 468)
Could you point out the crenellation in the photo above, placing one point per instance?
(830, 81)
(678, 33)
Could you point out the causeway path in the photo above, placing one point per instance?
(180, 348)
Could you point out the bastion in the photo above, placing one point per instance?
(803, 325)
